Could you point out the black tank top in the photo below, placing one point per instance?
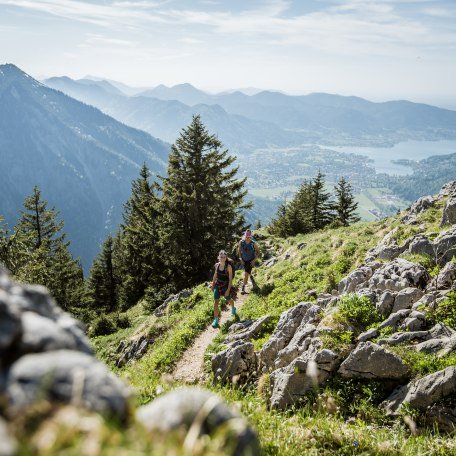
(223, 275)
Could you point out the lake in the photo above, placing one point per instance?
(410, 150)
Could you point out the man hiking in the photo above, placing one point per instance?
(222, 285)
(248, 252)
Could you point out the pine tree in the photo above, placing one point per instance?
(137, 253)
(345, 204)
(45, 258)
(202, 204)
(321, 207)
(103, 282)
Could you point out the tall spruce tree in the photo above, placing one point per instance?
(138, 256)
(46, 259)
(103, 281)
(320, 205)
(345, 204)
(202, 204)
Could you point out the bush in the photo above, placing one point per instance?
(122, 321)
(445, 312)
(102, 326)
(154, 297)
(357, 311)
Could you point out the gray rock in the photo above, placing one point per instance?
(42, 334)
(68, 377)
(193, 410)
(236, 361)
(253, 331)
(442, 346)
(449, 212)
(385, 303)
(410, 275)
(288, 323)
(10, 324)
(160, 311)
(135, 349)
(445, 246)
(402, 337)
(370, 360)
(289, 385)
(77, 331)
(406, 298)
(236, 327)
(446, 276)
(271, 262)
(354, 279)
(8, 445)
(395, 319)
(421, 245)
(449, 189)
(416, 321)
(369, 294)
(423, 392)
(367, 335)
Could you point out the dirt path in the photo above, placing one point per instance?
(190, 368)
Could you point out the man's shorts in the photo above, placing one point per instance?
(248, 265)
(220, 290)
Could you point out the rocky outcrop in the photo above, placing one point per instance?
(132, 350)
(370, 360)
(420, 205)
(422, 393)
(162, 308)
(252, 331)
(449, 212)
(45, 355)
(290, 384)
(198, 413)
(237, 361)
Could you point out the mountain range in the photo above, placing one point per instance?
(83, 160)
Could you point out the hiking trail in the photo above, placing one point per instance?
(190, 367)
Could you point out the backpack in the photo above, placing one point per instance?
(248, 250)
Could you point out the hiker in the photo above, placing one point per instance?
(248, 252)
(222, 285)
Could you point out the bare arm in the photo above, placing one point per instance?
(230, 275)
(214, 278)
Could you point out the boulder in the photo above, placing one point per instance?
(406, 298)
(385, 303)
(10, 324)
(449, 189)
(236, 361)
(253, 331)
(420, 205)
(395, 319)
(290, 384)
(367, 335)
(399, 274)
(133, 350)
(421, 245)
(423, 392)
(359, 276)
(370, 360)
(196, 413)
(288, 323)
(402, 337)
(65, 376)
(445, 246)
(416, 321)
(162, 308)
(446, 277)
(442, 346)
(449, 212)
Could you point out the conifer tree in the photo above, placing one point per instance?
(320, 205)
(202, 204)
(46, 259)
(103, 282)
(345, 204)
(137, 251)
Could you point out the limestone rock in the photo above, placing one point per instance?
(10, 325)
(195, 410)
(406, 298)
(355, 278)
(288, 323)
(395, 319)
(442, 346)
(416, 321)
(367, 335)
(68, 377)
(449, 212)
(446, 277)
(162, 308)
(236, 361)
(290, 384)
(445, 245)
(370, 360)
(423, 392)
(385, 303)
(421, 245)
(253, 331)
(449, 189)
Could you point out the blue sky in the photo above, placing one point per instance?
(378, 49)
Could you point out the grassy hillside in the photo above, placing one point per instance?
(344, 416)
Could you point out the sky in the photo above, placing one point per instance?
(377, 49)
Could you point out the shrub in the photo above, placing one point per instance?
(357, 311)
(122, 321)
(444, 312)
(154, 297)
(102, 326)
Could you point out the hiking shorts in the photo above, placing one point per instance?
(220, 290)
(248, 265)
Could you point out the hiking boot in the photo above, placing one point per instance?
(233, 311)
(215, 323)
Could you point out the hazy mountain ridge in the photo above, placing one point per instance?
(83, 160)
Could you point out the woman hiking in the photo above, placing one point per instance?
(248, 252)
(222, 285)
